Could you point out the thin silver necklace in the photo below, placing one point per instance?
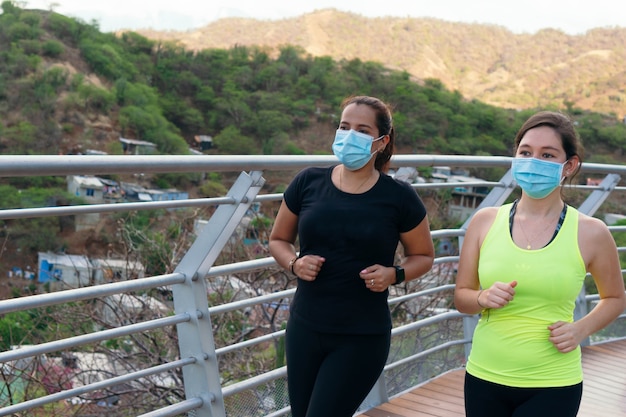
(358, 188)
(536, 235)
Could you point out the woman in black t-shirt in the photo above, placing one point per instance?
(348, 219)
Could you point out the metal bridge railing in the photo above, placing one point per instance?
(428, 338)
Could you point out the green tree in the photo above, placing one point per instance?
(52, 48)
(269, 125)
(15, 330)
(95, 99)
(231, 141)
(187, 118)
(233, 105)
(22, 137)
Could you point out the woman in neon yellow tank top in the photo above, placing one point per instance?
(523, 265)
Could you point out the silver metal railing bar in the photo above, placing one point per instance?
(427, 322)
(75, 392)
(447, 233)
(22, 165)
(241, 304)
(110, 208)
(269, 197)
(418, 294)
(446, 259)
(77, 294)
(251, 342)
(280, 412)
(425, 353)
(99, 336)
(176, 409)
(254, 381)
(454, 184)
(244, 266)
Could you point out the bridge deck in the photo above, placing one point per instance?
(604, 389)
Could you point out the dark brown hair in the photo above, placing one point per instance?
(384, 123)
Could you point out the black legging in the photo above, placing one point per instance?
(329, 375)
(486, 399)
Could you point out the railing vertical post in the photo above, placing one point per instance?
(496, 197)
(195, 338)
(597, 197)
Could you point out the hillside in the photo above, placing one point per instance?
(274, 87)
(484, 62)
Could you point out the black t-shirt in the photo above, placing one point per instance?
(352, 231)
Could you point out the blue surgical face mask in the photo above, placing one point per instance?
(538, 178)
(354, 149)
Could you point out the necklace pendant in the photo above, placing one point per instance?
(528, 246)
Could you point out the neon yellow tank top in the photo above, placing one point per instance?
(510, 345)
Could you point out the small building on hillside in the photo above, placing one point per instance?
(204, 142)
(466, 198)
(88, 187)
(137, 147)
(168, 195)
(135, 192)
(111, 191)
(64, 271)
(112, 270)
(93, 191)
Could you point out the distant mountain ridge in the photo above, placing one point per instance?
(484, 62)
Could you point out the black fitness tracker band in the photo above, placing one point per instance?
(399, 275)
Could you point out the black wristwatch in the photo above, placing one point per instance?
(399, 275)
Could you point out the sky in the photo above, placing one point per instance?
(574, 17)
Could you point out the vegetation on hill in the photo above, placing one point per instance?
(66, 85)
(484, 62)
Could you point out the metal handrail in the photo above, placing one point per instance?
(192, 317)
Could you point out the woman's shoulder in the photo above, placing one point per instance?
(591, 226)
(483, 218)
(316, 170)
(594, 238)
(486, 214)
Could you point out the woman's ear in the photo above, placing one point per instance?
(386, 140)
(571, 166)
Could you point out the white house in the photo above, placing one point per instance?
(137, 147)
(63, 270)
(109, 270)
(88, 187)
